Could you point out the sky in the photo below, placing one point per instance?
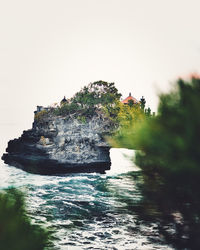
(50, 48)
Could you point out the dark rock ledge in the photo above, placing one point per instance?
(59, 145)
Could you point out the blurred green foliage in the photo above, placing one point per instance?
(16, 230)
(169, 156)
(127, 119)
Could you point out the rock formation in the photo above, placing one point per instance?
(58, 145)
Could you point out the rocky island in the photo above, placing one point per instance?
(70, 137)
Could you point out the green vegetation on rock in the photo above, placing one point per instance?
(41, 115)
(90, 99)
(99, 98)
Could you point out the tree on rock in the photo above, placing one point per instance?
(142, 103)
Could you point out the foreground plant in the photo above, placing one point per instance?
(169, 157)
(16, 230)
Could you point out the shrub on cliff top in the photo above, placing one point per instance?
(97, 93)
(90, 98)
(41, 115)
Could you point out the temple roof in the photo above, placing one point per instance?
(130, 98)
(64, 99)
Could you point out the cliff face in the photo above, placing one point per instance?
(57, 145)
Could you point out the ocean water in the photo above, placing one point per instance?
(85, 211)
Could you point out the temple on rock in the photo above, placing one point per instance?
(130, 98)
(64, 101)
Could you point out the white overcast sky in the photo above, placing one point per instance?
(52, 48)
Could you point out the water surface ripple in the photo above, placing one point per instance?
(87, 211)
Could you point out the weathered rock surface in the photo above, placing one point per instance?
(58, 145)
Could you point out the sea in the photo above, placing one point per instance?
(87, 210)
